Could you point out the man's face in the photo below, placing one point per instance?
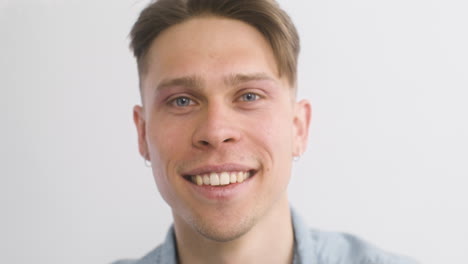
(214, 109)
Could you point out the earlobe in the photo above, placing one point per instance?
(302, 117)
(140, 124)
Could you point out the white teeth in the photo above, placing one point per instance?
(223, 178)
(206, 179)
(199, 180)
(240, 177)
(233, 177)
(214, 179)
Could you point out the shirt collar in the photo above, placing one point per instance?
(304, 244)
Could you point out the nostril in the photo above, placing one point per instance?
(204, 143)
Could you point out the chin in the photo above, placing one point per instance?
(221, 226)
(222, 232)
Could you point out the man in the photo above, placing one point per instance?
(220, 124)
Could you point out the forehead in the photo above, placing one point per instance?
(210, 47)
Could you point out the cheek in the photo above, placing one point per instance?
(274, 135)
(165, 143)
(273, 131)
(165, 147)
(166, 139)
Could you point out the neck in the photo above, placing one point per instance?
(270, 240)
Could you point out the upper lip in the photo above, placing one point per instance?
(228, 167)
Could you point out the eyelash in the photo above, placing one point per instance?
(173, 102)
(252, 94)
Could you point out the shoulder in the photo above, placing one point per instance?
(165, 253)
(342, 248)
(152, 257)
(124, 261)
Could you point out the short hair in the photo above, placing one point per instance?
(264, 15)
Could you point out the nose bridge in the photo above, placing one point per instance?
(215, 126)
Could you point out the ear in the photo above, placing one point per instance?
(140, 123)
(301, 121)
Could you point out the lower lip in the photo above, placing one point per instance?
(221, 192)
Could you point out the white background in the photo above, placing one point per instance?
(387, 157)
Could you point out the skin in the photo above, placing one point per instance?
(212, 96)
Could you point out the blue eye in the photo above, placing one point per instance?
(182, 101)
(249, 97)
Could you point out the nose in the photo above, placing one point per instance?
(216, 127)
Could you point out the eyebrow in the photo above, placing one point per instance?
(187, 81)
(197, 83)
(237, 79)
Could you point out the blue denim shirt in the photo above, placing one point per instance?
(310, 247)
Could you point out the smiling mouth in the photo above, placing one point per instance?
(221, 178)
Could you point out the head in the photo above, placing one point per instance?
(218, 80)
